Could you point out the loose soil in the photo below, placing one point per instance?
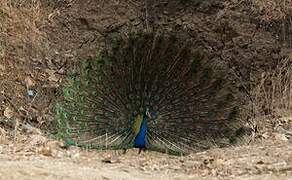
(269, 160)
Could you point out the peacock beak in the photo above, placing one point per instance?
(148, 114)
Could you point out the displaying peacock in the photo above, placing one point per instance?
(148, 90)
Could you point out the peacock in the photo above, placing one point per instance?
(149, 91)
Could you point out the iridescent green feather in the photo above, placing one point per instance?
(192, 104)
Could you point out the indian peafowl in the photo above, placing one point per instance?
(140, 130)
(148, 91)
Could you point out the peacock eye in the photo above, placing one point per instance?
(154, 88)
(128, 106)
(141, 109)
(169, 107)
(166, 83)
(156, 97)
(144, 94)
(138, 103)
(131, 96)
(137, 86)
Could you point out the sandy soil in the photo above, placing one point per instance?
(266, 160)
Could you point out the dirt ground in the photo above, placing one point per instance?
(35, 156)
(269, 160)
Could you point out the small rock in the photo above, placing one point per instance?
(8, 112)
(165, 12)
(53, 78)
(2, 132)
(179, 22)
(208, 161)
(61, 71)
(2, 67)
(30, 129)
(266, 135)
(214, 172)
(136, 22)
(55, 144)
(52, 75)
(73, 152)
(110, 160)
(275, 56)
(280, 129)
(155, 167)
(132, 18)
(260, 162)
(281, 137)
(218, 162)
(29, 82)
(37, 140)
(188, 164)
(46, 151)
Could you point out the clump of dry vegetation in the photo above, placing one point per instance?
(270, 104)
(273, 93)
(22, 45)
(21, 32)
(272, 9)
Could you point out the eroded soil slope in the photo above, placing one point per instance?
(40, 41)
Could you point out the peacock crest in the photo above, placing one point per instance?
(152, 81)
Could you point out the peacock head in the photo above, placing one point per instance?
(141, 119)
(147, 113)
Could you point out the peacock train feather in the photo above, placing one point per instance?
(148, 91)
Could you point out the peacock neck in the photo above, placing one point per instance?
(140, 138)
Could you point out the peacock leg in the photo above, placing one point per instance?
(124, 151)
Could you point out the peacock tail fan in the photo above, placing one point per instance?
(193, 104)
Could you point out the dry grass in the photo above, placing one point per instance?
(273, 93)
(22, 43)
(273, 9)
(20, 28)
(275, 16)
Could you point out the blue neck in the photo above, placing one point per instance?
(140, 139)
